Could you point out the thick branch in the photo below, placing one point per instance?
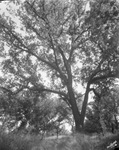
(66, 62)
(53, 91)
(66, 100)
(34, 89)
(56, 62)
(83, 111)
(110, 75)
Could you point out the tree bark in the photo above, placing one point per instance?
(74, 108)
(83, 111)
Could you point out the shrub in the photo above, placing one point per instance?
(13, 142)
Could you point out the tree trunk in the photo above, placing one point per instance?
(76, 116)
(74, 108)
(83, 111)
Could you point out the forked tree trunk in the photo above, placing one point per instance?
(78, 118)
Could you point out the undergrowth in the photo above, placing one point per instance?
(32, 142)
(13, 142)
(106, 140)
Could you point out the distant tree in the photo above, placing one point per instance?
(60, 35)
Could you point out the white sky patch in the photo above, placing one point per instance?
(10, 10)
(87, 7)
(67, 127)
(3, 7)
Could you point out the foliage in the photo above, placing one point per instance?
(107, 106)
(13, 142)
(31, 112)
(42, 48)
(100, 64)
(92, 124)
(101, 61)
(54, 37)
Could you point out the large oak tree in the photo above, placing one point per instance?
(55, 37)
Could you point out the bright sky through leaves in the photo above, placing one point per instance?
(10, 12)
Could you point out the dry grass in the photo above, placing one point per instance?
(76, 142)
(106, 140)
(13, 142)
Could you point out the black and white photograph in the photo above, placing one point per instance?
(59, 74)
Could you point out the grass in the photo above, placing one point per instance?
(106, 140)
(13, 142)
(76, 142)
